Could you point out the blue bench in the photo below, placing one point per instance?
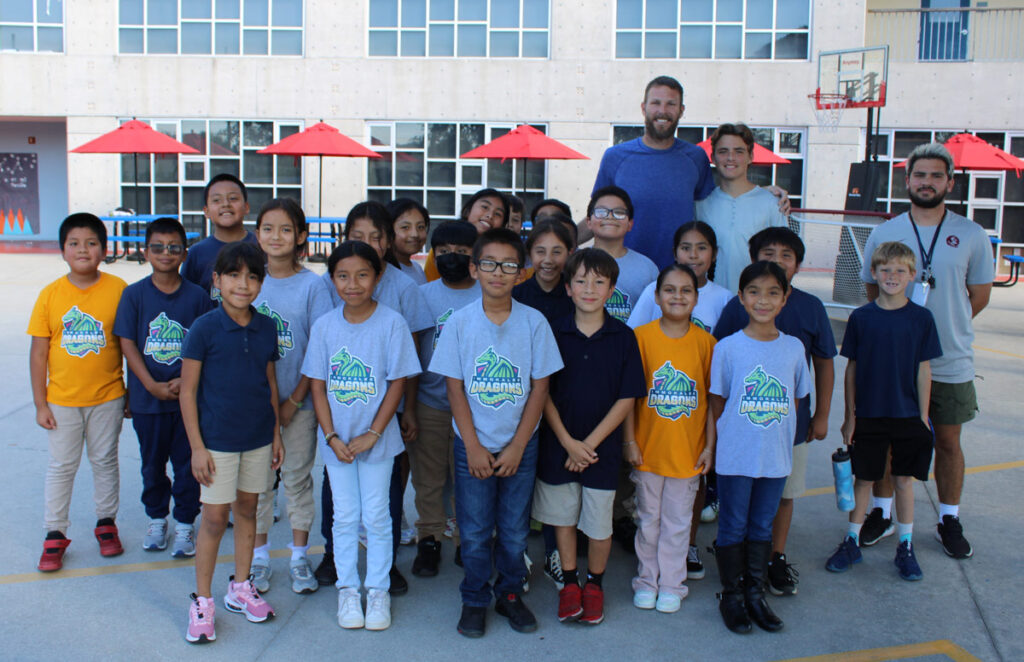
(1015, 262)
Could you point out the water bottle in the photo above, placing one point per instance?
(842, 470)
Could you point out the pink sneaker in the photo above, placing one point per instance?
(243, 598)
(200, 620)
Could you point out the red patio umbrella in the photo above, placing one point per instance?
(761, 155)
(523, 142)
(972, 153)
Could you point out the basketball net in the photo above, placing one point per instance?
(828, 109)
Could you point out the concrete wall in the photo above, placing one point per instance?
(51, 149)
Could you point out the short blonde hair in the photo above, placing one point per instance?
(894, 251)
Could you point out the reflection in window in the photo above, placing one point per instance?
(32, 26)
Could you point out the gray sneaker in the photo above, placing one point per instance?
(301, 573)
(261, 572)
(156, 536)
(184, 541)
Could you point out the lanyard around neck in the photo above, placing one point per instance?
(926, 257)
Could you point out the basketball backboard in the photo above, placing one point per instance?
(857, 73)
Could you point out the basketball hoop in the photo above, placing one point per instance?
(828, 109)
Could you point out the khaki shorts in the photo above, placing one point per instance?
(952, 404)
(248, 471)
(796, 484)
(571, 504)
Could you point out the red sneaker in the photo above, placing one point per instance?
(106, 536)
(53, 554)
(569, 605)
(593, 604)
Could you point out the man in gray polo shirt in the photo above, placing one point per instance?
(954, 281)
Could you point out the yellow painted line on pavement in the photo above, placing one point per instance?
(999, 351)
(938, 647)
(984, 468)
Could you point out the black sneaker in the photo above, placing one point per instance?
(694, 566)
(399, 585)
(326, 574)
(428, 557)
(624, 531)
(519, 616)
(875, 528)
(472, 623)
(553, 569)
(951, 534)
(781, 576)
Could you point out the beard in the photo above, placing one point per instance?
(927, 203)
(653, 132)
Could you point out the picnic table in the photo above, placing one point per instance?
(127, 237)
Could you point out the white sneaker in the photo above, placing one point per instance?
(156, 536)
(449, 527)
(644, 599)
(709, 513)
(408, 533)
(350, 609)
(261, 572)
(301, 573)
(184, 541)
(529, 569)
(378, 610)
(668, 603)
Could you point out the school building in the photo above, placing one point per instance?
(423, 81)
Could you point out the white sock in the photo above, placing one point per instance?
(854, 531)
(884, 504)
(298, 552)
(906, 531)
(946, 509)
(262, 552)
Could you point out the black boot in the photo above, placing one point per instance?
(758, 554)
(731, 564)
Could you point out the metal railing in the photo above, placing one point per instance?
(948, 35)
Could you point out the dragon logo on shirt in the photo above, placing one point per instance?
(700, 325)
(439, 325)
(618, 305)
(215, 294)
(285, 341)
(163, 344)
(81, 333)
(673, 393)
(496, 381)
(765, 400)
(350, 379)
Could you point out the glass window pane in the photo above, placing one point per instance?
(257, 198)
(414, 43)
(504, 13)
(535, 44)
(472, 175)
(165, 200)
(16, 38)
(986, 218)
(986, 187)
(691, 134)
(441, 174)
(194, 8)
(131, 12)
(629, 44)
(534, 171)
(289, 170)
(19, 11)
(129, 40)
(441, 141)
(256, 12)
(499, 175)
(996, 139)
(50, 40)
(161, 12)
(378, 171)
(759, 46)
(195, 171)
(193, 134)
(162, 40)
(227, 39)
(792, 14)
(695, 11)
(730, 10)
(790, 176)
(383, 13)
(192, 197)
(230, 166)
(382, 196)
(442, 10)
(412, 194)
(258, 134)
(287, 13)
(764, 137)
(380, 136)
(535, 13)
(293, 193)
(49, 11)
(789, 142)
(629, 14)
(792, 46)
(504, 44)
(441, 203)
(383, 42)
(621, 134)
(662, 13)
(409, 169)
(414, 13)
(254, 42)
(136, 198)
(761, 175)
(472, 41)
(472, 10)
(227, 8)
(1014, 189)
(695, 42)
(1017, 146)
(759, 13)
(442, 40)
(223, 138)
(134, 168)
(195, 38)
(660, 45)
(728, 42)
(471, 136)
(259, 168)
(286, 42)
(409, 135)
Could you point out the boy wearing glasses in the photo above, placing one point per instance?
(496, 355)
(152, 319)
(610, 217)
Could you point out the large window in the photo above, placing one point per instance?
(459, 28)
(173, 184)
(211, 27)
(32, 25)
(713, 29)
(421, 161)
(785, 141)
(995, 200)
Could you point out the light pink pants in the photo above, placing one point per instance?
(665, 506)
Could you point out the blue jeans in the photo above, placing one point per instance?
(746, 508)
(481, 506)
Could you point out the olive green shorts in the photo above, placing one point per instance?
(952, 404)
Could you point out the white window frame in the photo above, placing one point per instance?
(36, 25)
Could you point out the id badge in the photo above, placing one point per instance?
(920, 295)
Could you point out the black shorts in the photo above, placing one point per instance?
(911, 442)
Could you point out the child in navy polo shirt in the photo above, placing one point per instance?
(152, 319)
(581, 441)
(229, 405)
